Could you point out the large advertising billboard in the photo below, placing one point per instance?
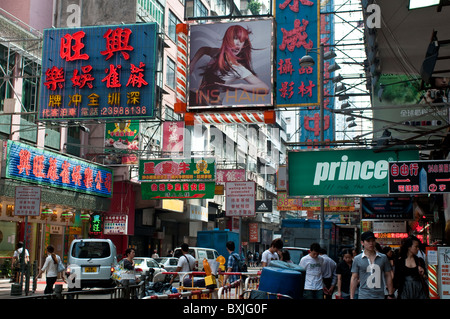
(230, 64)
(341, 172)
(297, 35)
(403, 106)
(101, 72)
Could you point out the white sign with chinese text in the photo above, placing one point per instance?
(240, 199)
(27, 201)
(116, 225)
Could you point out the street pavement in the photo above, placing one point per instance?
(5, 288)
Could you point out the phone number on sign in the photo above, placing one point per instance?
(112, 111)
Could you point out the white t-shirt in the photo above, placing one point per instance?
(314, 270)
(50, 266)
(183, 263)
(267, 257)
(18, 252)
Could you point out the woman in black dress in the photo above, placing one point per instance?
(410, 274)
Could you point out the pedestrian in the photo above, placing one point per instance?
(256, 258)
(186, 262)
(286, 256)
(232, 263)
(313, 264)
(128, 265)
(271, 253)
(410, 274)
(20, 258)
(128, 262)
(344, 275)
(170, 253)
(250, 258)
(155, 254)
(51, 269)
(329, 275)
(369, 268)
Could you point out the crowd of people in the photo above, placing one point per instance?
(374, 273)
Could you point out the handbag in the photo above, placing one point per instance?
(61, 266)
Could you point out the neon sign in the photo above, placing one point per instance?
(42, 167)
(98, 72)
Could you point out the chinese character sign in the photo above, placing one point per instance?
(310, 119)
(98, 72)
(240, 199)
(42, 167)
(177, 190)
(202, 169)
(419, 177)
(297, 32)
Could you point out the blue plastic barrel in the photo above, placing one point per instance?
(283, 281)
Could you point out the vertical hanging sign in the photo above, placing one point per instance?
(297, 33)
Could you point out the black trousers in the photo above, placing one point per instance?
(50, 282)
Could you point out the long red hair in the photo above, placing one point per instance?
(225, 59)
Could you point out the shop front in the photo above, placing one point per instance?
(70, 191)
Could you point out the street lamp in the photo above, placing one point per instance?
(308, 61)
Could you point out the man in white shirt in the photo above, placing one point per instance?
(186, 262)
(271, 253)
(314, 265)
(17, 256)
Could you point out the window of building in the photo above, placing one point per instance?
(170, 74)
(170, 115)
(173, 21)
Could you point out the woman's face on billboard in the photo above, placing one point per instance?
(238, 45)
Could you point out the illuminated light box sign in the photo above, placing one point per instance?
(341, 172)
(419, 177)
(177, 169)
(386, 208)
(98, 72)
(173, 190)
(30, 164)
(297, 32)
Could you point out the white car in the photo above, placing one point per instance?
(144, 264)
(169, 263)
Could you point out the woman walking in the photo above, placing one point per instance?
(409, 276)
(51, 268)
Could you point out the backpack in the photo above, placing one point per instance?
(242, 266)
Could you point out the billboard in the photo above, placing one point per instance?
(297, 32)
(400, 103)
(101, 72)
(122, 141)
(198, 169)
(341, 172)
(177, 189)
(173, 136)
(387, 208)
(34, 165)
(230, 64)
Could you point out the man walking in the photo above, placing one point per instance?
(329, 276)
(369, 269)
(313, 264)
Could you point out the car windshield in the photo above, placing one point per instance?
(296, 255)
(88, 249)
(138, 261)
